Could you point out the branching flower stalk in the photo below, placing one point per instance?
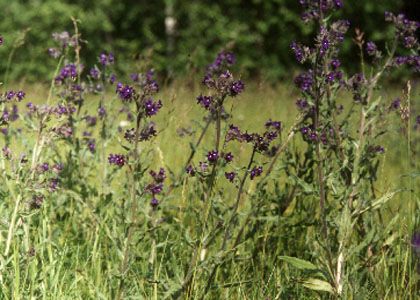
(145, 107)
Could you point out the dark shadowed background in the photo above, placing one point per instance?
(177, 36)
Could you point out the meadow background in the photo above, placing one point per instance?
(74, 245)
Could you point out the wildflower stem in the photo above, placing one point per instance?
(134, 205)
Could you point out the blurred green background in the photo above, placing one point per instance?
(177, 36)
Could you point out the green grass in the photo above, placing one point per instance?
(72, 247)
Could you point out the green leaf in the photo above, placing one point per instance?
(299, 263)
(307, 188)
(377, 203)
(318, 285)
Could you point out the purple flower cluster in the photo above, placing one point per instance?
(304, 81)
(68, 71)
(212, 156)
(222, 61)
(126, 92)
(64, 39)
(261, 142)
(230, 176)
(63, 131)
(190, 170)
(12, 96)
(376, 149)
(357, 84)
(106, 59)
(302, 104)
(206, 101)
(117, 159)
(236, 88)
(314, 9)
(219, 78)
(406, 29)
(63, 109)
(90, 120)
(256, 171)
(228, 157)
(146, 82)
(325, 136)
(409, 60)
(91, 145)
(156, 186)
(302, 53)
(151, 107)
(95, 73)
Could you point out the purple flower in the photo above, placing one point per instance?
(228, 157)
(1, 40)
(148, 132)
(230, 176)
(299, 53)
(101, 111)
(330, 77)
(158, 176)
(233, 133)
(154, 189)
(91, 145)
(256, 171)
(106, 59)
(396, 104)
(152, 108)
(417, 125)
(379, 149)
(68, 71)
(94, 73)
(7, 152)
(415, 243)
(10, 95)
(212, 156)
(112, 78)
(304, 81)
(154, 203)
(190, 170)
(208, 81)
(135, 77)
(273, 124)
(335, 64)
(90, 121)
(54, 52)
(237, 88)
(338, 3)
(45, 167)
(325, 45)
(409, 42)
(125, 92)
(203, 166)
(117, 159)
(62, 37)
(57, 168)
(222, 59)
(205, 101)
(301, 104)
(371, 48)
(54, 184)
